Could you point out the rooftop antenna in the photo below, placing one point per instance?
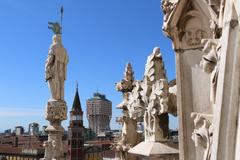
(61, 16)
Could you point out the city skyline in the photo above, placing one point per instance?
(99, 44)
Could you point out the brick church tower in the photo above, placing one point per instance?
(76, 131)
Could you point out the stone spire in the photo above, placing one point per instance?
(154, 101)
(126, 84)
(76, 152)
(76, 102)
(155, 69)
(129, 74)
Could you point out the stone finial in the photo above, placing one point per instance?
(167, 8)
(129, 74)
(126, 84)
(155, 69)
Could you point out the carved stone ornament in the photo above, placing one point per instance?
(155, 97)
(203, 133)
(53, 147)
(126, 84)
(210, 63)
(167, 8)
(56, 110)
(194, 36)
(158, 104)
(128, 136)
(154, 69)
(148, 100)
(135, 105)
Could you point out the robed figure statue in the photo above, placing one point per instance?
(56, 66)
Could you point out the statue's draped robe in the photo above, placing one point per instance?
(56, 69)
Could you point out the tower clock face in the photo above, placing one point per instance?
(76, 117)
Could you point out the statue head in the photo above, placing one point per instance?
(57, 39)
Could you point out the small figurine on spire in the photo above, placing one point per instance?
(55, 26)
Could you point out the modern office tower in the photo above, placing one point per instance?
(99, 113)
(33, 128)
(76, 131)
(19, 130)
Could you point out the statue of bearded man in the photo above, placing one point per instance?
(56, 67)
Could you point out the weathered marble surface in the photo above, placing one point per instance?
(56, 68)
(205, 36)
(129, 136)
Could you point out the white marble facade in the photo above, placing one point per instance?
(206, 41)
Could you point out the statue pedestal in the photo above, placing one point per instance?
(56, 111)
(154, 150)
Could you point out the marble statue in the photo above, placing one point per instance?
(56, 67)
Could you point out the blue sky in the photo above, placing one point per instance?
(100, 37)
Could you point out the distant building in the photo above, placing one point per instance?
(92, 152)
(76, 131)
(99, 113)
(44, 130)
(19, 130)
(98, 150)
(89, 135)
(24, 146)
(7, 131)
(33, 128)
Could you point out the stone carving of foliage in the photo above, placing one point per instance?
(126, 84)
(203, 132)
(167, 8)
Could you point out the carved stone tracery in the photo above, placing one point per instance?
(128, 137)
(146, 100)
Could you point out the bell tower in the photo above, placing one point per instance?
(76, 131)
